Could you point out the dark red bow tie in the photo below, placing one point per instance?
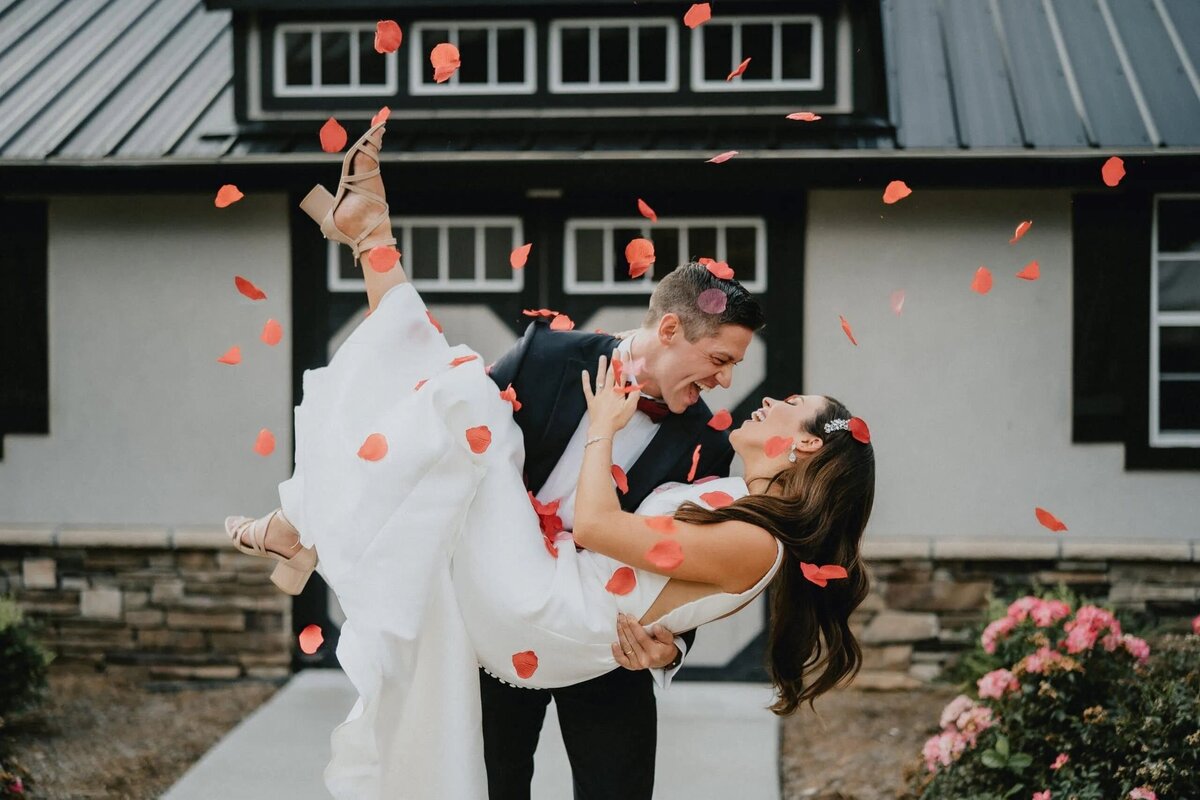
(654, 409)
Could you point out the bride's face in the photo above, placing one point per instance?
(788, 418)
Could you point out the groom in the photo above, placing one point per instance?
(609, 723)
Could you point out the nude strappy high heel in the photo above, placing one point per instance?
(320, 204)
(292, 572)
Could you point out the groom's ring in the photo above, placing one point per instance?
(627, 652)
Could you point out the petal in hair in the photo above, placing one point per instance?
(859, 430)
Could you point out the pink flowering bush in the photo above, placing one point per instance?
(1061, 703)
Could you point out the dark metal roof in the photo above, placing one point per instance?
(137, 81)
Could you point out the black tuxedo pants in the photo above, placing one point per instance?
(609, 726)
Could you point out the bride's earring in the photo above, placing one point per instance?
(792, 456)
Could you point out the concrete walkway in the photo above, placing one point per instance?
(716, 740)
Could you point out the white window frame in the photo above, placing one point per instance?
(444, 283)
(646, 284)
(354, 88)
(815, 83)
(594, 84)
(1162, 319)
(418, 59)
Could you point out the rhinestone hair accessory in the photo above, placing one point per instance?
(837, 425)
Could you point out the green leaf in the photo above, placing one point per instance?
(1002, 745)
(992, 759)
(1020, 761)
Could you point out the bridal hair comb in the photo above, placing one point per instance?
(857, 427)
(837, 425)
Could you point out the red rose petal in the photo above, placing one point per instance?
(264, 445)
(510, 395)
(646, 211)
(697, 15)
(433, 321)
(311, 639)
(1048, 520)
(621, 479)
(232, 356)
(738, 70)
(695, 460)
(722, 158)
(982, 283)
(712, 301)
(804, 116)
(525, 663)
(248, 289)
(562, 323)
(445, 60)
(227, 195)
(387, 36)
(622, 582)
(420, 383)
(897, 301)
(846, 329)
(1031, 272)
(1024, 226)
(1113, 171)
(381, 116)
(383, 258)
(333, 136)
(272, 332)
(896, 190)
(717, 499)
(721, 420)
(518, 257)
(539, 312)
(640, 255)
(479, 438)
(666, 554)
(462, 360)
(859, 430)
(777, 446)
(822, 575)
(662, 524)
(550, 546)
(373, 448)
(720, 269)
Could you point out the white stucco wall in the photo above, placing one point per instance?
(145, 426)
(968, 397)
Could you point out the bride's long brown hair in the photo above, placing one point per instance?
(819, 514)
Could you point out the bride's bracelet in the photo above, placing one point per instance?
(595, 439)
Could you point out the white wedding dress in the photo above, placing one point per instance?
(435, 553)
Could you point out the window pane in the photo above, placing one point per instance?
(614, 55)
(589, 254)
(1179, 285)
(461, 245)
(297, 48)
(797, 51)
(472, 47)
(622, 237)
(431, 37)
(575, 55)
(510, 57)
(371, 65)
(757, 44)
(423, 261)
(702, 243)
(718, 51)
(1178, 231)
(1179, 405)
(1178, 349)
(740, 251)
(666, 251)
(652, 55)
(335, 58)
(497, 244)
(348, 269)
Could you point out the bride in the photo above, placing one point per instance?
(408, 483)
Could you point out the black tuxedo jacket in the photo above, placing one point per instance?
(544, 367)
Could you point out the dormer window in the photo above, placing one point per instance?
(331, 59)
(497, 57)
(614, 55)
(785, 53)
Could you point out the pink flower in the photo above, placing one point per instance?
(943, 748)
(955, 708)
(1042, 795)
(1196, 625)
(1049, 612)
(1142, 793)
(17, 786)
(1085, 629)
(1136, 647)
(996, 683)
(996, 629)
(1062, 759)
(1037, 661)
(1020, 608)
(973, 722)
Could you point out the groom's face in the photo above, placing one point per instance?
(682, 369)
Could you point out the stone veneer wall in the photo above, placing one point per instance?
(176, 604)
(184, 604)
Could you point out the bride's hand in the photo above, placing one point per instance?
(609, 408)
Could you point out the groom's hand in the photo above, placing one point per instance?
(638, 650)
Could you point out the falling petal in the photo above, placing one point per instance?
(1031, 272)
(721, 420)
(896, 190)
(518, 257)
(1024, 226)
(311, 639)
(462, 360)
(662, 524)
(525, 663)
(433, 321)
(712, 301)
(264, 445)
(333, 136)
(562, 323)
(846, 329)
(479, 438)
(622, 582)
(697, 15)
(777, 446)
(383, 258)
(232, 356)
(373, 448)
(420, 383)
(695, 460)
(1048, 520)
(859, 430)
(722, 158)
(646, 211)
(272, 332)
(666, 554)
(387, 36)
(445, 60)
(509, 395)
(804, 116)
(381, 116)
(717, 499)
(897, 301)
(1113, 171)
(982, 282)
(621, 479)
(248, 289)
(227, 195)
(640, 255)
(738, 70)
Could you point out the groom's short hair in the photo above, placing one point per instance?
(679, 292)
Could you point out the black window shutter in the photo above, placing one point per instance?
(25, 389)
